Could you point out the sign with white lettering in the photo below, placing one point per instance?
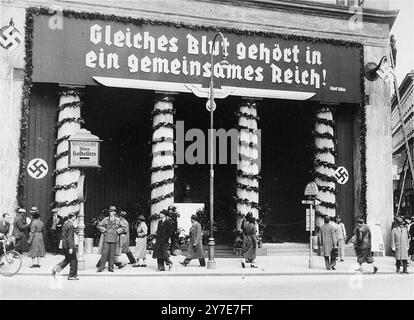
(150, 54)
(83, 153)
(311, 189)
(309, 219)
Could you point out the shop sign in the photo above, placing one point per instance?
(152, 55)
(311, 190)
(83, 150)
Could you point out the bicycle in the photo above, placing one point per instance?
(10, 261)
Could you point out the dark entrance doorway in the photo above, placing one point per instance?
(287, 160)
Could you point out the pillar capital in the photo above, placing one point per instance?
(70, 90)
(165, 96)
(328, 106)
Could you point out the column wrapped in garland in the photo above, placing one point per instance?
(162, 165)
(69, 122)
(325, 161)
(247, 189)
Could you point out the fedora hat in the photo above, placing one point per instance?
(123, 213)
(54, 210)
(141, 217)
(112, 208)
(21, 210)
(194, 216)
(34, 209)
(399, 220)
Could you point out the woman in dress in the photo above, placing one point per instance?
(141, 242)
(249, 241)
(37, 247)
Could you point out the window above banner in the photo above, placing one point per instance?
(163, 56)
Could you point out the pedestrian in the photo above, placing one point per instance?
(5, 232)
(20, 228)
(125, 241)
(362, 242)
(37, 247)
(54, 227)
(111, 228)
(163, 233)
(399, 244)
(141, 242)
(411, 234)
(328, 242)
(249, 245)
(69, 249)
(341, 235)
(195, 244)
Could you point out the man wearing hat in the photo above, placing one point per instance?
(399, 244)
(125, 242)
(195, 244)
(20, 227)
(161, 242)
(111, 228)
(362, 236)
(141, 241)
(54, 227)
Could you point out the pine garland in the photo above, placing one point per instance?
(158, 112)
(163, 168)
(64, 170)
(325, 135)
(326, 122)
(247, 187)
(163, 139)
(64, 138)
(61, 155)
(75, 104)
(247, 202)
(249, 116)
(248, 176)
(246, 129)
(66, 203)
(162, 183)
(161, 198)
(72, 185)
(320, 163)
(324, 177)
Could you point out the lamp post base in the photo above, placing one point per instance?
(211, 264)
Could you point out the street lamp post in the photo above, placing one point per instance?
(211, 264)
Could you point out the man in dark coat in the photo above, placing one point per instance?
(54, 227)
(69, 249)
(161, 242)
(111, 228)
(328, 241)
(362, 242)
(20, 228)
(195, 244)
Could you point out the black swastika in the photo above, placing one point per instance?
(37, 169)
(341, 175)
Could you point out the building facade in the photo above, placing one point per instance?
(403, 201)
(129, 72)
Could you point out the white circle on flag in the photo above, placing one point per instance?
(37, 168)
(341, 175)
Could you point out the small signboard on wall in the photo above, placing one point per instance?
(377, 241)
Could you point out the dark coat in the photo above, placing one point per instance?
(195, 244)
(363, 237)
(249, 240)
(68, 236)
(37, 246)
(20, 226)
(161, 240)
(411, 234)
(399, 243)
(328, 239)
(4, 227)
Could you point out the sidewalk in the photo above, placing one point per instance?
(267, 266)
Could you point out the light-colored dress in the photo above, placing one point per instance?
(37, 247)
(141, 241)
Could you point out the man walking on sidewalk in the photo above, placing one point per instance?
(399, 244)
(328, 241)
(362, 238)
(69, 249)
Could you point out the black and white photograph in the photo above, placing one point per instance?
(206, 155)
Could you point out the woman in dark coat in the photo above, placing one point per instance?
(37, 247)
(249, 241)
(161, 243)
(195, 244)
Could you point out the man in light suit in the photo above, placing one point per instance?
(69, 249)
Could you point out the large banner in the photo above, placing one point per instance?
(88, 52)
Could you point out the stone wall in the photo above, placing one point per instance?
(10, 108)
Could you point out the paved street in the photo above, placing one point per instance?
(213, 287)
(278, 277)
